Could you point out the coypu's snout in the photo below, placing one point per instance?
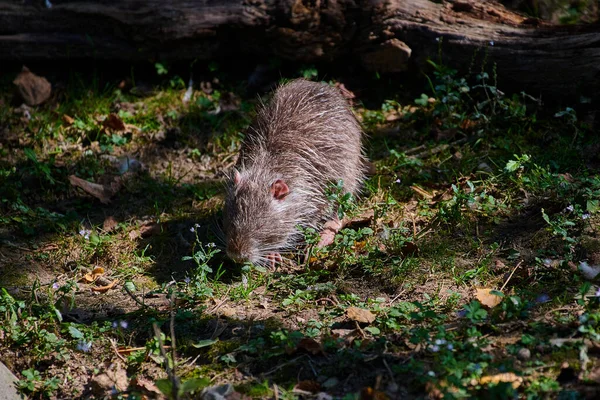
(239, 252)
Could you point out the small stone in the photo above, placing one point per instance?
(393, 387)
(104, 383)
(484, 167)
(32, 89)
(524, 354)
(331, 383)
(220, 392)
(7, 384)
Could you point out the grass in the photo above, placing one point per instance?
(473, 189)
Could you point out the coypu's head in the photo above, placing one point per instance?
(260, 217)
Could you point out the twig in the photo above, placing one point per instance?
(114, 346)
(510, 276)
(389, 370)
(174, 381)
(172, 328)
(414, 149)
(359, 329)
(134, 297)
(559, 309)
(277, 368)
(396, 297)
(10, 244)
(439, 148)
(214, 334)
(310, 364)
(215, 308)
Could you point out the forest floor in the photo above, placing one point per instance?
(467, 269)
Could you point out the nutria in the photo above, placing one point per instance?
(304, 140)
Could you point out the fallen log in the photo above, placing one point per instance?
(384, 36)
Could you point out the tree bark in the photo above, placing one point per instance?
(383, 36)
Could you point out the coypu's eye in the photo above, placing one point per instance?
(279, 189)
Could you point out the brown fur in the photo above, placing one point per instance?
(306, 137)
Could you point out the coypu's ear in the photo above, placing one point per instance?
(279, 189)
(237, 178)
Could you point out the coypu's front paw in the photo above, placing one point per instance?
(274, 259)
(328, 233)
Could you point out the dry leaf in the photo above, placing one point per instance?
(593, 375)
(308, 386)
(369, 393)
(101, 192)
(443, 196)
(206, 87)
(87, 278)
(310, 345)
(409, 249)
(104, 289)
(150, 229)
(92, 276)
(360, 315)
(135, 234)
(148, 386)
(229, 102)
(507, 377)
(421, 192)
(228, 312)
(113, 122)
(433, 391)
(468, 124)
(68, 120)
(110, 223)
(567, 177)
(342, 333)
(487, 298)
(348, 94)
(362, 220)
(360, 245)
(98, 271)
(393, 116)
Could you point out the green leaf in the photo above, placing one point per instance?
(160, 69)
(130, 286)
(422, 101)
(512, 166)
(75, 333)
(367, 231)
(29, 153)
(58, 314)
(194, 384)
(260, 269)
(545, 216)
(373, 330)
(165, 386)
(592, 206)
(205, 343)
